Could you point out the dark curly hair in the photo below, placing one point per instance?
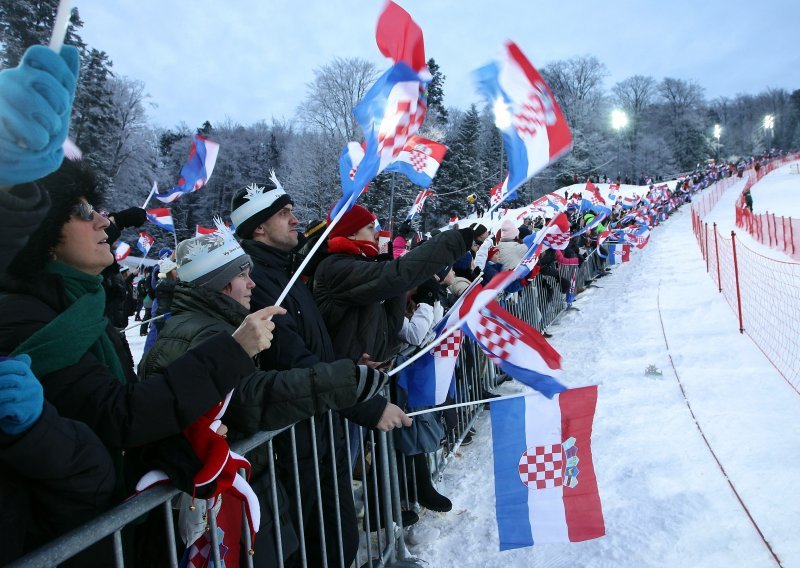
(65, 186)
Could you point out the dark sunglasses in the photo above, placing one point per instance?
(86, 211)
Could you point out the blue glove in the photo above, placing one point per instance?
(35, 106)
(21, 396)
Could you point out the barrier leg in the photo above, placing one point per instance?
(736, 273)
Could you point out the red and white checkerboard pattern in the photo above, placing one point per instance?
(556, 240)
(542, 467)
(529, 119)
(450, 346)
(398, 127)
(494, 338)
(418, 160)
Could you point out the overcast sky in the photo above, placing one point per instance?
(252, 59)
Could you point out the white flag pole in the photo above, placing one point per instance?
(60, 25)
(470, 403)
(150, 195)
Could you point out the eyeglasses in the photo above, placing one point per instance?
(86, 211)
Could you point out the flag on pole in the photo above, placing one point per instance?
(499, 193)
(544, 478)
(419, 201)
(200, 230)
(121, 250)
(516, 347)
(534, 131)
(557, 235)
(595, 198)
(613, 190)
(197, 170)
(161, 217)
(419, 160)
(145, 242)
(430, 378)
(619, 253)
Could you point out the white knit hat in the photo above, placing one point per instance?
(212, 260)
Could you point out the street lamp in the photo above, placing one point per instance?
(619, 120)
(717, 134)
(769, 124)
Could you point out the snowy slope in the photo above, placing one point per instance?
(666, 501)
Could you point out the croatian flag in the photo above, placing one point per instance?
(416, 208)
(394, 107)
(430, 378)
(557, 235)
(613, 189)
(453, 219)
(419, 160)
(534, 131)
(145, 242)
(596, 198)
(121, 251)
(544, 478)
(619, 253)
(499, 193)
(197, 170)
(200, 230)
(161, 218)
(515, 346)
(628, 202)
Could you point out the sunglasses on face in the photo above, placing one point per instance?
(86, 211)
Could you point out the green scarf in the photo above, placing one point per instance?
(76, 330)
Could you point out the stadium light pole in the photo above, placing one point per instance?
(717, 134)
(619, 120)
(769, 124)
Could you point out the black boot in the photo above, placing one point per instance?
(427, 496)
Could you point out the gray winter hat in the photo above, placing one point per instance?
(212, 260)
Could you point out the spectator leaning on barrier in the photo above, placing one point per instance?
(748, 199)
(265, 221)
(213, 297)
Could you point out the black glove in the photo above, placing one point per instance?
(131, 217)
(468, 235)
(370, 382)
(427, 292)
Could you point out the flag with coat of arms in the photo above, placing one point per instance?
(145, 242)
(419, 201)
(197, 170)
(619, 253)
(419, 160)
(534, 130)
(545, 484)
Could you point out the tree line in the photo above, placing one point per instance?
(669, 130)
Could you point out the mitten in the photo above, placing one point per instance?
(370, 382)
(21, 396)
(131, 217)
(35, 106)
(427, 292)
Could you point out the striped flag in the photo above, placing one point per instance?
(121, 251)
(145, 242)
(545, 484)
(419, 160)
(197, 170)
(419, 201)
(161, 217)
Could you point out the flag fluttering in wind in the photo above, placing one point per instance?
(499, 193)
(201, 230)
(394, 107)
(545, 484)
(145, 242)
(557, 235)
(534, 130)
(196, 171)
(419, 160)
(161, 217)
(596, 198)
(419, 202)
(619, 253)
(121, 251)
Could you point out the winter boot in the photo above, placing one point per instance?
(427, 496)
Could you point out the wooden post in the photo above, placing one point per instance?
(706, 248)
(736, 273)
(716, 251)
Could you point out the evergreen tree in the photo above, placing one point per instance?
(24, 23)
(437, 113)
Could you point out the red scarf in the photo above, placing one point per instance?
(354, 248)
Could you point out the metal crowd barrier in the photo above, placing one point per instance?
(539, 303)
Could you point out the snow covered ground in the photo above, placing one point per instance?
(666, 501)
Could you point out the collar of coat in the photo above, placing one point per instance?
(193, 298)
(343, 245)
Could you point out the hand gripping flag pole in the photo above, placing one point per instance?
(60, 26)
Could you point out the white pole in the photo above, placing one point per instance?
(460, 404)
(60, 25)
(150, 195)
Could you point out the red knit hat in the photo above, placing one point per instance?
(351, 222)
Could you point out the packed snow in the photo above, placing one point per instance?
(665, 499)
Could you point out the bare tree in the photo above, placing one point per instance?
(336, 89)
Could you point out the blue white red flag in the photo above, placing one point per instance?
(121, 251)
(499, 193)
(197, 170)
(595, 198)
(534, 131)
(628, 202)
(430, 378)
(200, 230)
(419, 160)
(613, 190)
(419, 202)
(145, 242)
(516, 347)
(161, 217)
(557, 235)
(619, 253)
(544, 478)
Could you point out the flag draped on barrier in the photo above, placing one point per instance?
(197, 170)
(545, 484)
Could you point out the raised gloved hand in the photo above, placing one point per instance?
(370, 382)
(35, 106)
(130, 217)
(21, 396)
(427, 292)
